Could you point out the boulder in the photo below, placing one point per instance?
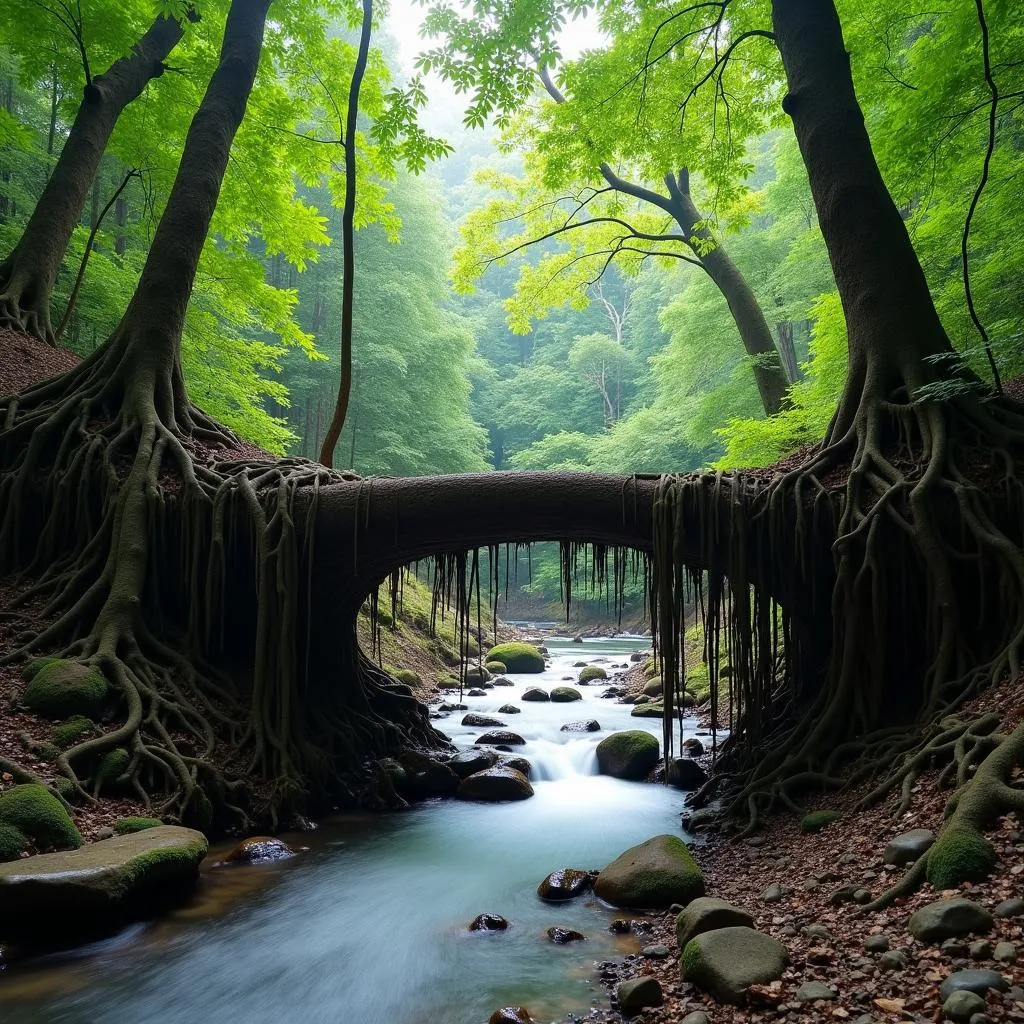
(727, 961)
(497, 667)
(517, 657)
(627, 755)
(494, 785)
(62, 689)
(959, 855)
(509, 709)
(38, 815)
(502, 681)
(54, 900)
(637, 994)
(561, 936)
(906, 848)
(589, 726)
(536, 693)
(476, 692)
(488, 923)
(590, 672)
(482, 721)
(565, 884)
(656, 873)
(478, 674)
(511, 1015)
(469, 762)
(519, 763)
(636, 656)
(685, 773)
(962, 1006)
(705, 914)
(648, 709)
(502, 737)
(653, 687)
(565, 694)
(693, 747)
(260, 850)
(944, 919)
(425, 777)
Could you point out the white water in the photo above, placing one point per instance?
(368, 926)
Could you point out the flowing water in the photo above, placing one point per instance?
(368, 926)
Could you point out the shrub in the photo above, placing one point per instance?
(592, 672)
(517, 657)
(35, 812)
(63, 689)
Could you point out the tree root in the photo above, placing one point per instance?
(23, 306)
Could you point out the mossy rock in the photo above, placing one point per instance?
(75, 729)
(627, 755)
(126, 826)
(959, 855)
(48, 752)
(649, 668)
(517, 657)
(407, 676)
(12, 842)
(35, 812)
(592, 672)
(477, 674)
(35, 666)
(654, 686)
(496, 668)
(65, 789)
(649, 709)
(656, 873)
(817, 820)
(565, 695)
(63, 689)
(112, 765)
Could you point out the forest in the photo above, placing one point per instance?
(333, 331)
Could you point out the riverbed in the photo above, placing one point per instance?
(368, 925)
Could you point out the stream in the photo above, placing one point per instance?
(368, 926)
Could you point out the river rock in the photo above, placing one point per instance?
(260, 850)
(654, 687)
(1010, 908)
(509, 709)
(656, 873)
(685, 773)
(488, 923)
(536, 693)
(502, 737)
(637, 994)
(561, 936)
(811, 990)
(502, 681)
(482, 721)
(469, 762)
(906, 848)
(648, 710)
(511, 1015)
(727, 961)
(565, 884)
(425, 777)
(612, 691)
(476, 692)
(53, 900)
(692, 747)
(707, 913)
(590, 726)
(963, 1005)
(494, 785)
(636, 656)
(627, 755)
(944, 919)
(972, 980)
(565, 694)
(519, 763)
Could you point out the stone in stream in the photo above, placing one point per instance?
(535, 693)
(565, 694)
(565, 884)
(476, 693)
(972, 980)
(693, 747)
(502, 737)
(590, 726)
(519, 763)
(494, 785)
(488, 923)
(469, 762)
(561, 936)
(511, 1015)
(685, 773)
(906, 848)
(726, 962)
(627, 755)
(54, 900)
(425, 777)
(648, 709)
(637, 994)
(944, 919)
(656, 873)
(707, 913)
(482, 721)
(260, 850)
(502, 681)
(509, 709)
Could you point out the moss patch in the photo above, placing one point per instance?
(407, 676)
(517, 657)
(592, 672)
(125, 826)
(35, 812)
(817, 820)
(68, 733)
(495, 667)
(627, 755)
(112, 765)
(35, 666)
(12, 842)
(63, 689)
(959, 855)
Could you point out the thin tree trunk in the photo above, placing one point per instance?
(52, 134)
(121, 220)
(348, 240)
(28, 274)
(787, 350)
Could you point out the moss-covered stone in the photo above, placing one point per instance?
(477, 674)
(12, 842)
(75, 729)
(959, 855)
(35, 812)
(649, 709)
(817, 820)
(517, 657)
(48, 752)
(62, 689)
(65, 789)
(407, 676)
(126, 826)
(627, 755)
(725, 962)
(590, 672)
(495, 667)
(112, 765)
(565, 694)
(35, 666)
(656, 873)
(653, 686)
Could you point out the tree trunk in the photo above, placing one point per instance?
(787, 350)
(28, 274)
(891, 320)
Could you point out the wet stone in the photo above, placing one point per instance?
(561, 936)
(488, 923)
(971, 980)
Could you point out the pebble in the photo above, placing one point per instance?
(955, 948)
(697, 1017)
(980, 949)
(1010, 908)
(817, 931)
(1005, 952)
(656, 952)
(906, 848)
(876, 943)
(862, 896)
(893, 960)
(773, 894)
(810, 990)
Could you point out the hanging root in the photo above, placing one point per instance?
(910, 517)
